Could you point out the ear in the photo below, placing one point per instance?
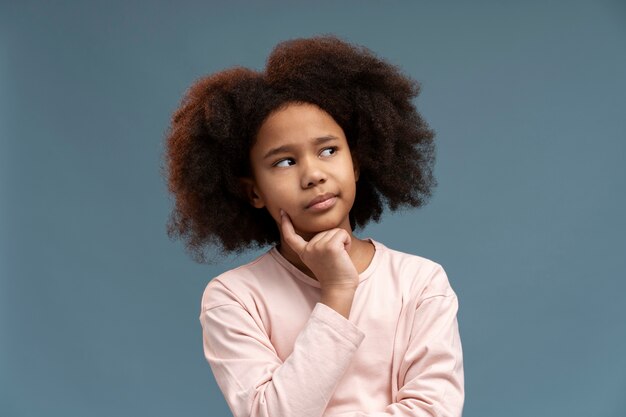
(251, 192)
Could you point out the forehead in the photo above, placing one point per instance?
(295, 123)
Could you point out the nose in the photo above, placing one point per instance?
(312, 173)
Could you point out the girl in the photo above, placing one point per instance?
(298, 157)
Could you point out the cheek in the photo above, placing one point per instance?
(349, 173)
(350, 183)
(275, 194)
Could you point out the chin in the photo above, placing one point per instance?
(320, 225)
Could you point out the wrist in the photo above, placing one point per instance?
(339, 299)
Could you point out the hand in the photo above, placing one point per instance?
(326, 255)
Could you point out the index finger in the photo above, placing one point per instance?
(291, 237)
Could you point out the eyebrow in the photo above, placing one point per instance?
(287, 148)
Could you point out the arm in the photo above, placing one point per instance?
(431, 372)
(254, 380)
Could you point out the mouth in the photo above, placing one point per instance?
(322, 201)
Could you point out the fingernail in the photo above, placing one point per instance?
(282, 213)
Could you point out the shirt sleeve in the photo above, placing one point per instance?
(255, 382)
(432, 369)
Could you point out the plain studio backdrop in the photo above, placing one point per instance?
(99, 309)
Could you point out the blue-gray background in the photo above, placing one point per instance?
(99, 309)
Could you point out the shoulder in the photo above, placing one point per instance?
(424, 277)
(236, 286)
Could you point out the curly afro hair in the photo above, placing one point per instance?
(211, 133)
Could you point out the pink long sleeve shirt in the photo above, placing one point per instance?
(276, 351)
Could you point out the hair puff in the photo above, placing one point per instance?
(211, 133)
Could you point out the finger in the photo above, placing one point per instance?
(342, 239)
(293, 239)
(337, 239)
(323, 238)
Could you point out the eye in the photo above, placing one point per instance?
(328, 151)
(284, 162)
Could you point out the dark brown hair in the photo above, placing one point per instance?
(211, 133)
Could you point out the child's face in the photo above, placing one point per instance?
(301, 154)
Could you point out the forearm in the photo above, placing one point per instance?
(257, 383)
(339, 299)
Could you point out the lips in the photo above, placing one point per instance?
(319, 199)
